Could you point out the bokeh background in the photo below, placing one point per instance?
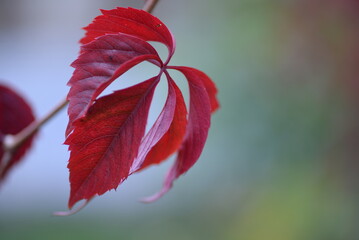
(281, 160)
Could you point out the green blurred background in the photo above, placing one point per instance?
(281, 160)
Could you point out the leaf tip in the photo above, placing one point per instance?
(72, 210)
(155, 197)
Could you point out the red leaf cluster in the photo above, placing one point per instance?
(106, 135)
(15, 115)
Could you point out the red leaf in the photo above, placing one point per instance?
(105, 142)
(130, 21)
(197, 129)
(172, 139)
(106, 136)
(15, 115)
(101, 62)
(207, 83)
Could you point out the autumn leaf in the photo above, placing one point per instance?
(100, 63)
(15, 115)
(119, 119)
(106, 135)
(172, 139)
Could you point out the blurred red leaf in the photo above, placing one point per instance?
(106, 136)
(15, 115)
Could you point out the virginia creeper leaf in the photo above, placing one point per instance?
(106, 136)
(15, 115)
(100, 63)
(171, 141)
(105, 142)
(157, 131)
(130, 21)
(206, 81)
(197, 128)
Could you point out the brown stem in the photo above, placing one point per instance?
(21, 137)
(4, 162)
(18, 139)
(150, 5)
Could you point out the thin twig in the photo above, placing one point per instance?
(150, 5)
(21, 137)
(12, 142)
(5, 160)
